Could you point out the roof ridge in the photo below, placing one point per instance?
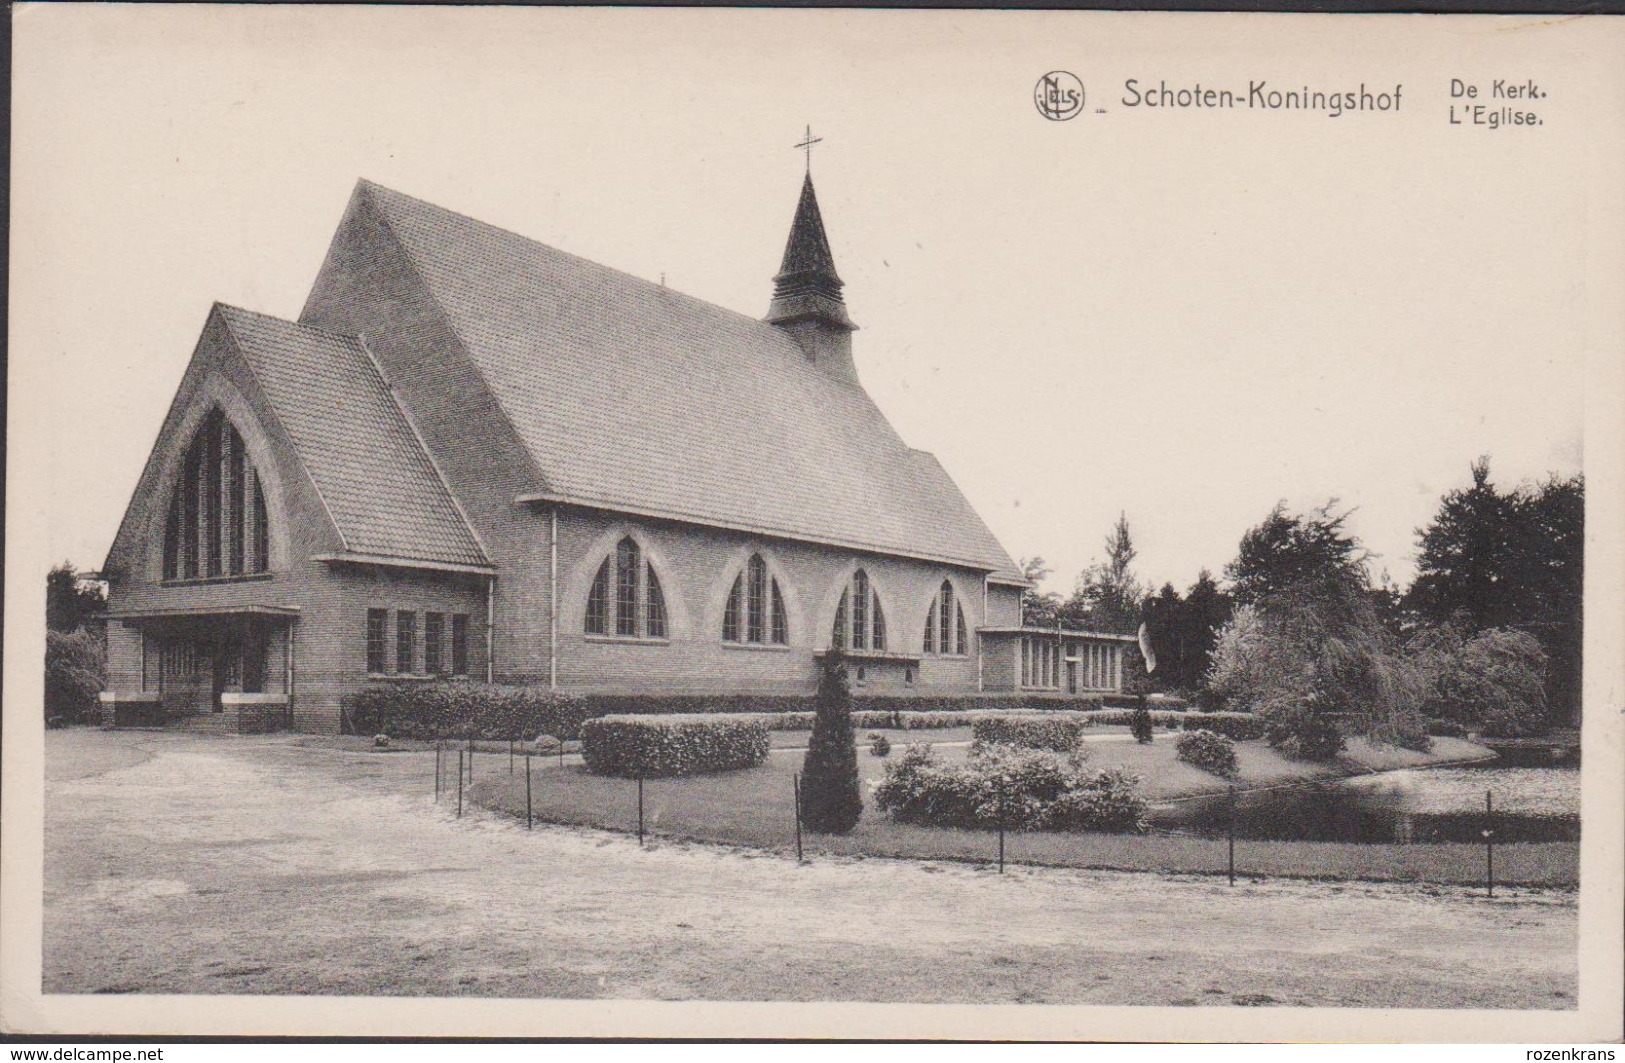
(234, 309)
(653, 286)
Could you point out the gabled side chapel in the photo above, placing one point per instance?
(476, 456)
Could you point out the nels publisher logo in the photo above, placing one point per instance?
(1058, 96)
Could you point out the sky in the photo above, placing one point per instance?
(1184, 316)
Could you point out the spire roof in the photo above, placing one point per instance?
(807, 287)
(807, 251)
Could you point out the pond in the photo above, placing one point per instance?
(1420, 805)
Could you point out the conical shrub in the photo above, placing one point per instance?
(831, 801)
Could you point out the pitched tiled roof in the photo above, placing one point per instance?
(367, 464)
(633, 396)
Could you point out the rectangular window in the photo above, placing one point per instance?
(211, 503)
(406, 641)
(189, 516)
(459, 644)
(262, 530)
(234, 505)
(626, 589)
(433, 636)
(756, 602)
(377, 622)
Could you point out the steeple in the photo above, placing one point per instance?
(807, 292)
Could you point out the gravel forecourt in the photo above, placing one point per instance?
(281, 865)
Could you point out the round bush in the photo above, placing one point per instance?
(1209, 751)
(665, 746)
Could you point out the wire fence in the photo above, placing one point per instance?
(555, 787)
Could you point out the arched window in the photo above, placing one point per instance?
(945, 630)
(860, 622)
(755, 609)
(639, 605)
(216, 525)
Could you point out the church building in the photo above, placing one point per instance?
(475, 457)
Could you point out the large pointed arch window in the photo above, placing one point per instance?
(945, 630)
(216, 525)
(860, 622)
(625, 600)
(754, 613)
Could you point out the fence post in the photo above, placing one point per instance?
(1001, 832)
(796, 781)
(459, 783)
(527, 792)
(471, 761)
(1489, 842)
(1231, 832)
(510, 756)
(437, 772)
(640, 810)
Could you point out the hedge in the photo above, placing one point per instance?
(1058, 733)
(1020, 789)
(458, 709)
(689, 704)
(1241, 726)
(1208, 750)
(665, 746)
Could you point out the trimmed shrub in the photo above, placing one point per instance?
(1208, 750)
(1140, 725)
(655, 747)
(1241, 726)
(484, 711)
(1125, 717)
(1057, 733)
(879, 745)
(1022, 789)
(1107, 802)
(831, 801)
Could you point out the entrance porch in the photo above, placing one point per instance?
(228, 671)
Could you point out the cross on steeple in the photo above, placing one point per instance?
(807, 145)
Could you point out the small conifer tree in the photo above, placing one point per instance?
(830, 799)
(1140, 722)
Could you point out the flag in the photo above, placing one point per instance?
(1146, 651)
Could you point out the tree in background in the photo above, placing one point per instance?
(830, 799)
(1290, 550)
(1514, 560)
(1494, 681)
(1307, 650)
(75, 654)
(1182, 631)
(1108, 596)
(71, 602)
(1038, 608)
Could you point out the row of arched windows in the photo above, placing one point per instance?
(626, 601)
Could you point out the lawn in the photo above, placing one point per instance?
(755, 808)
